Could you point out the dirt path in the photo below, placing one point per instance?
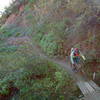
(89, 89)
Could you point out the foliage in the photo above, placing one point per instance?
(8, 49)
(16, 31)
(30, 80)
(59, 27)
(32, 1)
(5, 33)
(48, 44)
(97, 77)
(26, 8)
(37, 78)
(76, 4)
(50, 34)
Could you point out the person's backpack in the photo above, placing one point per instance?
(76, 52)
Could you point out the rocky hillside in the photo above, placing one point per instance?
(55, 26)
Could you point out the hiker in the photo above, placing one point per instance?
(75, 57)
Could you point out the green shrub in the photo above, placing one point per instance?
(32, 1)
(26, 8)
(8, 48)
(4, 87)
(49, 44)
(5, 33)
(36, 77)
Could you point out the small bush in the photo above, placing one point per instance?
(49, 44)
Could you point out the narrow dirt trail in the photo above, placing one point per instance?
(89, 89)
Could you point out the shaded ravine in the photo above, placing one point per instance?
(89, 89)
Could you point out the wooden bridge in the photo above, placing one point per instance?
(89, 89)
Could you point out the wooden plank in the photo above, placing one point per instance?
(95, 86)
(90, 89)
(95, 96)
(83, 88)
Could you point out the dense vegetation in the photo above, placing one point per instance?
(36, 77)
(55, 26)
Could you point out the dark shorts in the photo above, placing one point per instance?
(76, 60)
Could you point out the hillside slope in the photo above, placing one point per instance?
(55, 26)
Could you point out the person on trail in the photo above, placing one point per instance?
(75, 57)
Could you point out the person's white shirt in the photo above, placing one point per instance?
(72, 54)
